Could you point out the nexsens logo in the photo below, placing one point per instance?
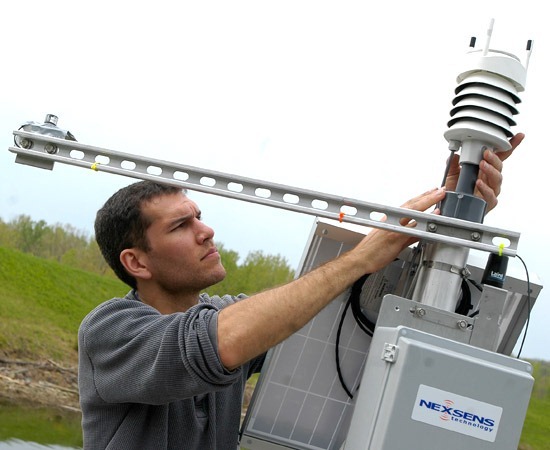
(456, 413)
(450, 413)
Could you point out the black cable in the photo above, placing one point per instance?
(465, 304)
(355, 296)
(366, 325)
(338, 369)
(478, 286)
(528, 306)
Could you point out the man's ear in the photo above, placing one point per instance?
(135, 263)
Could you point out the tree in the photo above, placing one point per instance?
(29, 233)
(257, 273)
(8, 235)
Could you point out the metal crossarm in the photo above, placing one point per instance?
(43, 151)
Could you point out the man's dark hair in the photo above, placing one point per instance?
(120, 224)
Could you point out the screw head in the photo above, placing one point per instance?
(25, 143)
(50, 148)
(420, 312)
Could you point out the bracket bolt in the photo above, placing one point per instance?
(476, 236)
(50, 148)
(420, 312)
(462, 324)
(432, 227)
(25, 143)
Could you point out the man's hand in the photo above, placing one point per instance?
(489, 182)
(382, 246)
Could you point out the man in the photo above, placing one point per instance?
(165, 367)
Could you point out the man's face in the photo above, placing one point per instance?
(182, 257)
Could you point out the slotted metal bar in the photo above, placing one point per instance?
(43, 151)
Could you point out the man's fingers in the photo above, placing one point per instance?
(514, 142)
(422, 203)
(425, 200)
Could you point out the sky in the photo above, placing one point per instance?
(349, 98)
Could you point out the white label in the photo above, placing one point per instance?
(457, 413)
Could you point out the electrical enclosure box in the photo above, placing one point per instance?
(420, 391)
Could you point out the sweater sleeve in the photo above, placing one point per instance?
(138, 355)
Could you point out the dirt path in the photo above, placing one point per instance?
(44, 383)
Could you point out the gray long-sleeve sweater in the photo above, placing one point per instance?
(154, 381)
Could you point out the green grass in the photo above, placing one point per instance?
(536, 430)
(43, 303)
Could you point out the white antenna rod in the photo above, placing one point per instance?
(489, 34)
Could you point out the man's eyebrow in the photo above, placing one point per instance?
(184, 218)
(180, 219)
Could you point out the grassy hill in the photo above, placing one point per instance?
(43, 303)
